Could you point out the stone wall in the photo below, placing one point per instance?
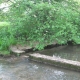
(64, 63)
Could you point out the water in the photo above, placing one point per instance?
(66, 52)
(23, 69)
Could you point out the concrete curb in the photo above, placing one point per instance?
(64, 63)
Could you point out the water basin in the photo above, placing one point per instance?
(23, 69)
(66, 52)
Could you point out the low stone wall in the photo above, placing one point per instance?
(64, 63)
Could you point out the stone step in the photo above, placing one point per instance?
(14, 50)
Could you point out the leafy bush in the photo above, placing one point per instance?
(4, 24)
(43, 22)
(6, 36)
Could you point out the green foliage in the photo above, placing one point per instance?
(4, 24)
(42, 22)
(6, 36)
(45, 22)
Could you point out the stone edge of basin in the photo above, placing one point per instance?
(55, 61)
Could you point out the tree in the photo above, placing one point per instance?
(45, 21)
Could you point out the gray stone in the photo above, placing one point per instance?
(64, 63)
(16, 51)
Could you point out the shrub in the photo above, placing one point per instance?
(6, 36)
(46, 22)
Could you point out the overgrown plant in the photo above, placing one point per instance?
(43, 22)
(6, 36)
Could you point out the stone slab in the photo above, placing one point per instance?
(16, 51)
(56, 61)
